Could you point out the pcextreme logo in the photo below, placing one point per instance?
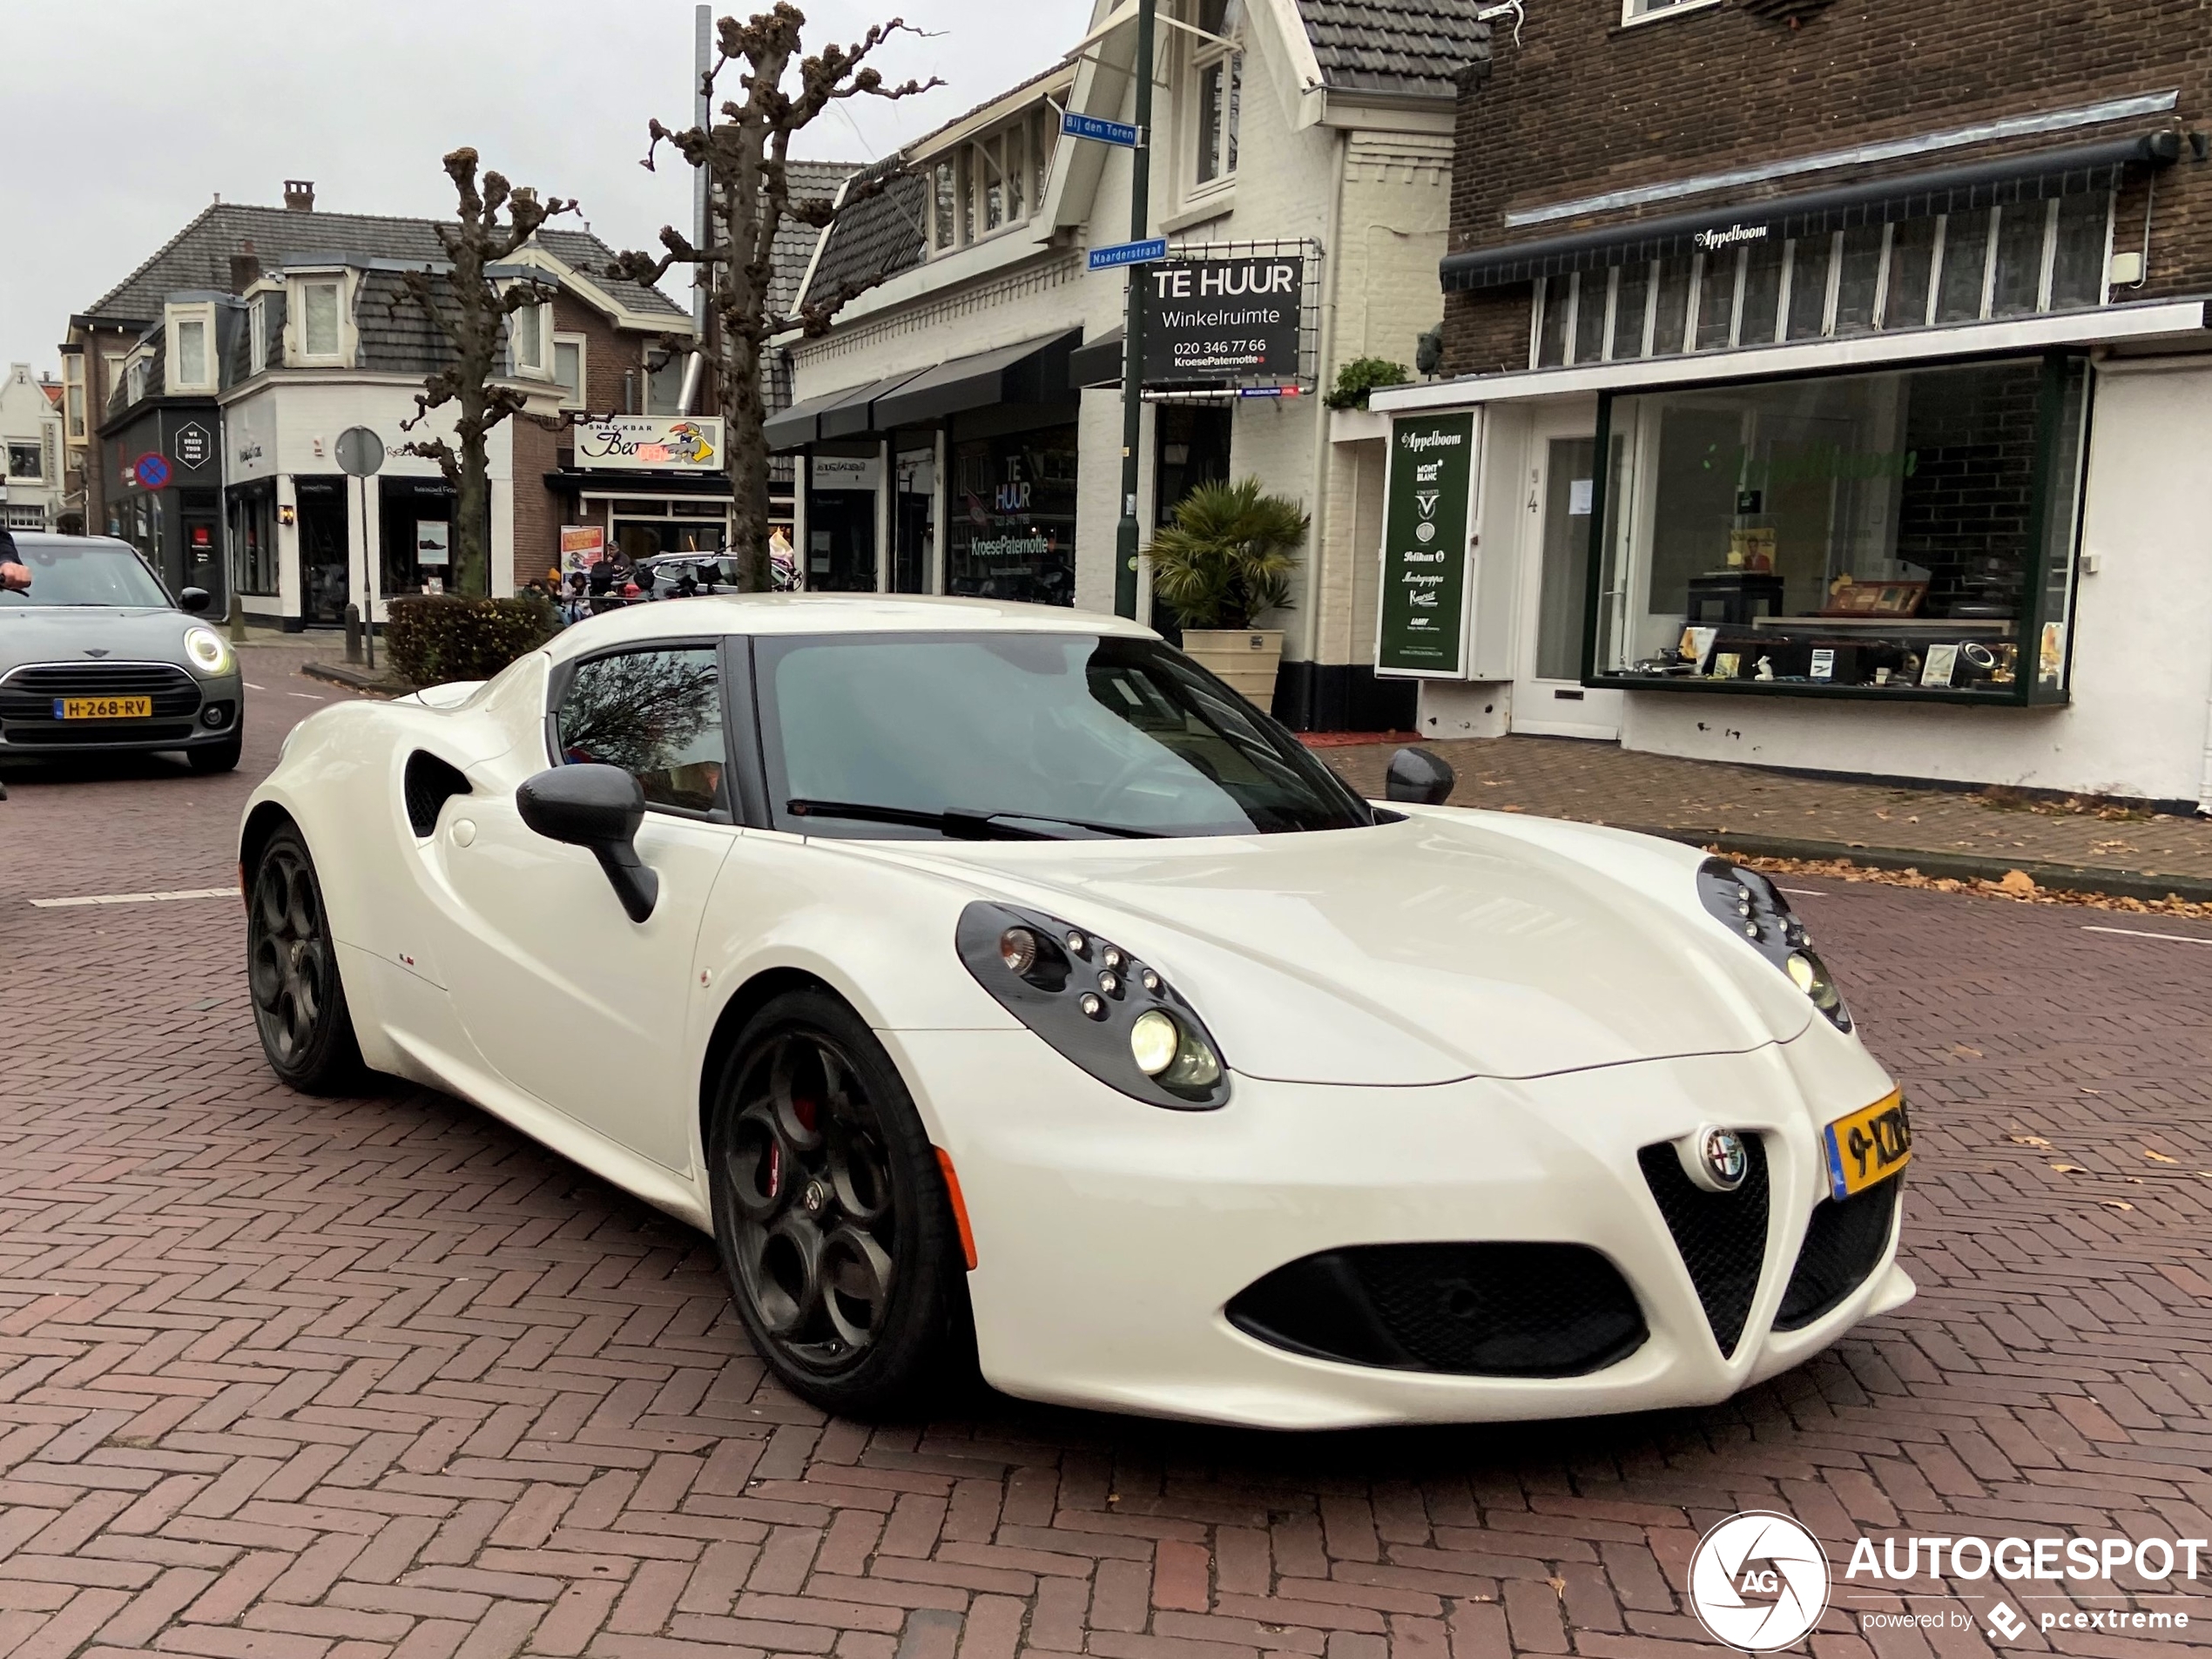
(1760, 1581)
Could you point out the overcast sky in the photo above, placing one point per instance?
(126, 116)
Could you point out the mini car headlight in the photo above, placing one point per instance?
(209, 651)
(1752, 907)
(1112, 1016)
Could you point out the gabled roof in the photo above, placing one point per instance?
(198, 257)
(1400, 48)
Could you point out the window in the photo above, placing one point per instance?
(1217, 75)
(26, 518)
(2013, 261)
(1905, 533)
(986, 185)
(134, 379)
(1014, 536)
(258, 334)
(567, 369)
(665, 381)
(526, 340)
(73, 394)
(658, 715)
(944, 191)
(1642, 11)
(253, 533)
(23, 460)
(188, 353)
(319, 319)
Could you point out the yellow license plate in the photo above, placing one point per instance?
(103, 708)
(1868, 1147)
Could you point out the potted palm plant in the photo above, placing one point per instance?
(1220, 565)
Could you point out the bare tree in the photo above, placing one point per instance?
(469, 309)
(749, 200)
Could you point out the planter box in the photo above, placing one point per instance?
(1246, 657)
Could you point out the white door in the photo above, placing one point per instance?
(1549, 696)
(566, 995)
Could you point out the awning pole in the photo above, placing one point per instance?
(1140, 215)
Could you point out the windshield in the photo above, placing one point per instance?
(84, 573)
(1066, 735)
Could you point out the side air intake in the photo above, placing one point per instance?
(430, 783)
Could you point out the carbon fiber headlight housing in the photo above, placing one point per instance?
(1752, 908)
(1097, 1004)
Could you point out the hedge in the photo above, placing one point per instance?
(435, 639)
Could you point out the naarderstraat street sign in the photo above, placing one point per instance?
(1421, 624)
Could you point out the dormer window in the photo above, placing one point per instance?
(526, 340)
(257, 329)
(134, 380)
(319, 318)
(1217, 79)
(191, 349)
(989, 183)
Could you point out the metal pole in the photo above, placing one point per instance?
(702, 116)
(369, 579)
(1140, 215)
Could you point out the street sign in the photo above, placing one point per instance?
(1208, 320)
(150, 471)
(1422, 627)
(1120, 134)
(194, 447)
(1110, 258)
(360, 452)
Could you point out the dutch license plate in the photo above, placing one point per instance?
(1868, 1147)
(103, 708)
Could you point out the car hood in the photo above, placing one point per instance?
(1445, 946)
(68, 633)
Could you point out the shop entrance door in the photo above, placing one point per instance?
(324, 576)
(1549, 696)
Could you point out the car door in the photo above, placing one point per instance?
(561, 991)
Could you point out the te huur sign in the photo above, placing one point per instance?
(1421, 625)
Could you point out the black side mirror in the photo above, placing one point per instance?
(193, 599)
(1419, 775)
(597, 808)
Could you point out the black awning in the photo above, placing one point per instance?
(798, 426)
(1097, 362)
(2034, 176)
(854, 415)
(1035, 371)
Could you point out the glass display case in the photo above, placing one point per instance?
(1903, 535)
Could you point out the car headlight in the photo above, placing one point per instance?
(1109, 1013)
(1752, 907)
(209, 651)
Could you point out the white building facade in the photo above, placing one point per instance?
(31, 450)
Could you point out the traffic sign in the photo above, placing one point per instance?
(150, 471)
(361, 451)
(1120, 134)
(1109, 259)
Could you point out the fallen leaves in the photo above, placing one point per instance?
(1849, 870)
(2069, 1169)
(2115, 1203)
(2030, 1140)
(2159, 1157)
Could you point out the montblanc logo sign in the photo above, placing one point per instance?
(1728, 238)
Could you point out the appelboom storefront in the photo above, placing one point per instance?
(1890, 478)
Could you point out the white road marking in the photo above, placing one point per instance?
(310, 696)
(2137, 932)
(1801, 892)
(251, 686)
(139, 898)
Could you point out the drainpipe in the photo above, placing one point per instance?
(1333, 282)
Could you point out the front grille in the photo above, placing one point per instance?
(1844, 1243)
(28, 694)
(1722, 1235)
(1476, 1310)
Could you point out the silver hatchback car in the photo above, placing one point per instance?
(97, 657)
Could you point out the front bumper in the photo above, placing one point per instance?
(183, 706)
(1111, 1236)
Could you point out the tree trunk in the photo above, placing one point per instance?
(746, 440)
(471, 570)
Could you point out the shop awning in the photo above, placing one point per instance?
(798, 426)
(848, 413)
(1035, 371)
(1097, 362)
(2034, 176)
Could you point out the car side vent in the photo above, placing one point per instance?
(430, 783)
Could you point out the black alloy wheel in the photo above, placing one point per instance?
(291, 968)
(834, 1224)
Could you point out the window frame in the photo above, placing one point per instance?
(73, 424)
(1203, 58)
(337, 356)
(580, 399)
(1631, 17)
(175, 321)
(8, 447)
(257, 334)
(539, 314)
(744, 796)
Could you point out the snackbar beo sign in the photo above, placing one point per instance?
(1422, 618)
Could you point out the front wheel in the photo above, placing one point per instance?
(291, 968)
(835, 1228)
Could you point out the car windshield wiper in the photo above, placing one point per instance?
(961, 823)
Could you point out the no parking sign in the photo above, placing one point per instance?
(150, 471)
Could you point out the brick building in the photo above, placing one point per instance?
(1829, 377)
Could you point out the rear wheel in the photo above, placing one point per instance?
(217, 757)
(831, 1214)
(291, 968)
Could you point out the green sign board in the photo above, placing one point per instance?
(1423, 622)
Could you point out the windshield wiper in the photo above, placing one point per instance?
(961, 823)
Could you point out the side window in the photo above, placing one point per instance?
(658, 715)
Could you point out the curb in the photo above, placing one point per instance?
(358, 680)
(1958, 867)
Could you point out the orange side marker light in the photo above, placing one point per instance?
(959, 1207)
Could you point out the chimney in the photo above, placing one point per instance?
(245, 266)
(299, 195)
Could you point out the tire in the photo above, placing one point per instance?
(217, 757)
(292, 971)
(836, 1232)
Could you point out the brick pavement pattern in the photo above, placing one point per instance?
(283, 1379)
(1566, 778)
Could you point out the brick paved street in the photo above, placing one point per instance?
(285, 1378)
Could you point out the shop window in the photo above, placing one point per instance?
(1010, 529)
(567, 369)
(658, 715)
(254, 535)
(1902, 534)
(318, 309)
(1217, 75)
(2013, 260)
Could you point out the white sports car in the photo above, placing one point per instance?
(998, 987)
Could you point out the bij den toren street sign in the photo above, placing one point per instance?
(1422, 629)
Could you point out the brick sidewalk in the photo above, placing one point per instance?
(283, 1379)
(1752, 809)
